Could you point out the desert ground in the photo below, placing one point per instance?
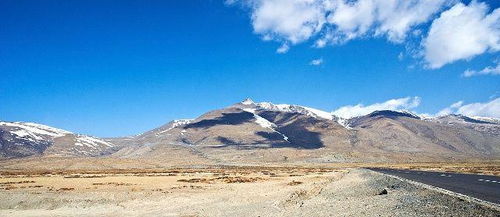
(226, 191)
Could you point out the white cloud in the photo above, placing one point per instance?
(393, 104)
(462, 32)
(450, 109)
(338, 21)
(486, 109)
(490, 70)
(390, 18)
(283, 48)
(459, 33)
(320, 43)
(290, 20)
(316, 62)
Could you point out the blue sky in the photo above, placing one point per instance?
(116, 68)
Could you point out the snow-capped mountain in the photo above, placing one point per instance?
(19, 139)
(316, 113)
(248, 129)
(287, 108)
(253, 132)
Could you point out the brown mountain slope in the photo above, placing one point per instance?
(257, 133)
(250, 132)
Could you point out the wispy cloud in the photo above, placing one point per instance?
(316, 62)
(490, 70)
(462, 32)
(401, 56)
(283, 49)
(393, 104)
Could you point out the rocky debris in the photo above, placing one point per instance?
(383, 192)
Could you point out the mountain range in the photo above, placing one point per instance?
(249, 132)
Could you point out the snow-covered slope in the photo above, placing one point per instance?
(316, 113)
(487, 119)
(265, 123)
(33, 132)
(174, 124)
(294, 108)
(24, 139)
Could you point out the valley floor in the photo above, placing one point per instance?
(227, 192)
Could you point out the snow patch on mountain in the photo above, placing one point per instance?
(487, 119)
(38, 132)
(320, 114)
(458, 118)
(260, 120)
(176, 123)
(265, 123)
(343, 122)
(34, 131)
(247, 101)
(316, 113)
(295, 109)
(91, 142)
(312, 112)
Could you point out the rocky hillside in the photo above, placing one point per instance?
(249, 132)
(253, 132)
(20, 139)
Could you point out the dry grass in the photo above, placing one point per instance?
(223, 179)
(113, 183)
(216, 191)
(159, 180)
(294, 183)
(66, 189)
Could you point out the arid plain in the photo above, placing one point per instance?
(343, 190)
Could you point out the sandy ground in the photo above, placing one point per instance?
(232, 192)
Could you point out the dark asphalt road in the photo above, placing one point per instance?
(482, 187)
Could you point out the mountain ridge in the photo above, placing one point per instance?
(244, 130)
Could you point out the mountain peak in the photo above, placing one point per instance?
(247, 101)
(286, 108)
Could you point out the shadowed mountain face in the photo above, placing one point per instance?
(392, 114)
(295, 126)
(241, 129)
(225, 119)
(384, 114)
(13, 146)
(460, 118)
(251, 132)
